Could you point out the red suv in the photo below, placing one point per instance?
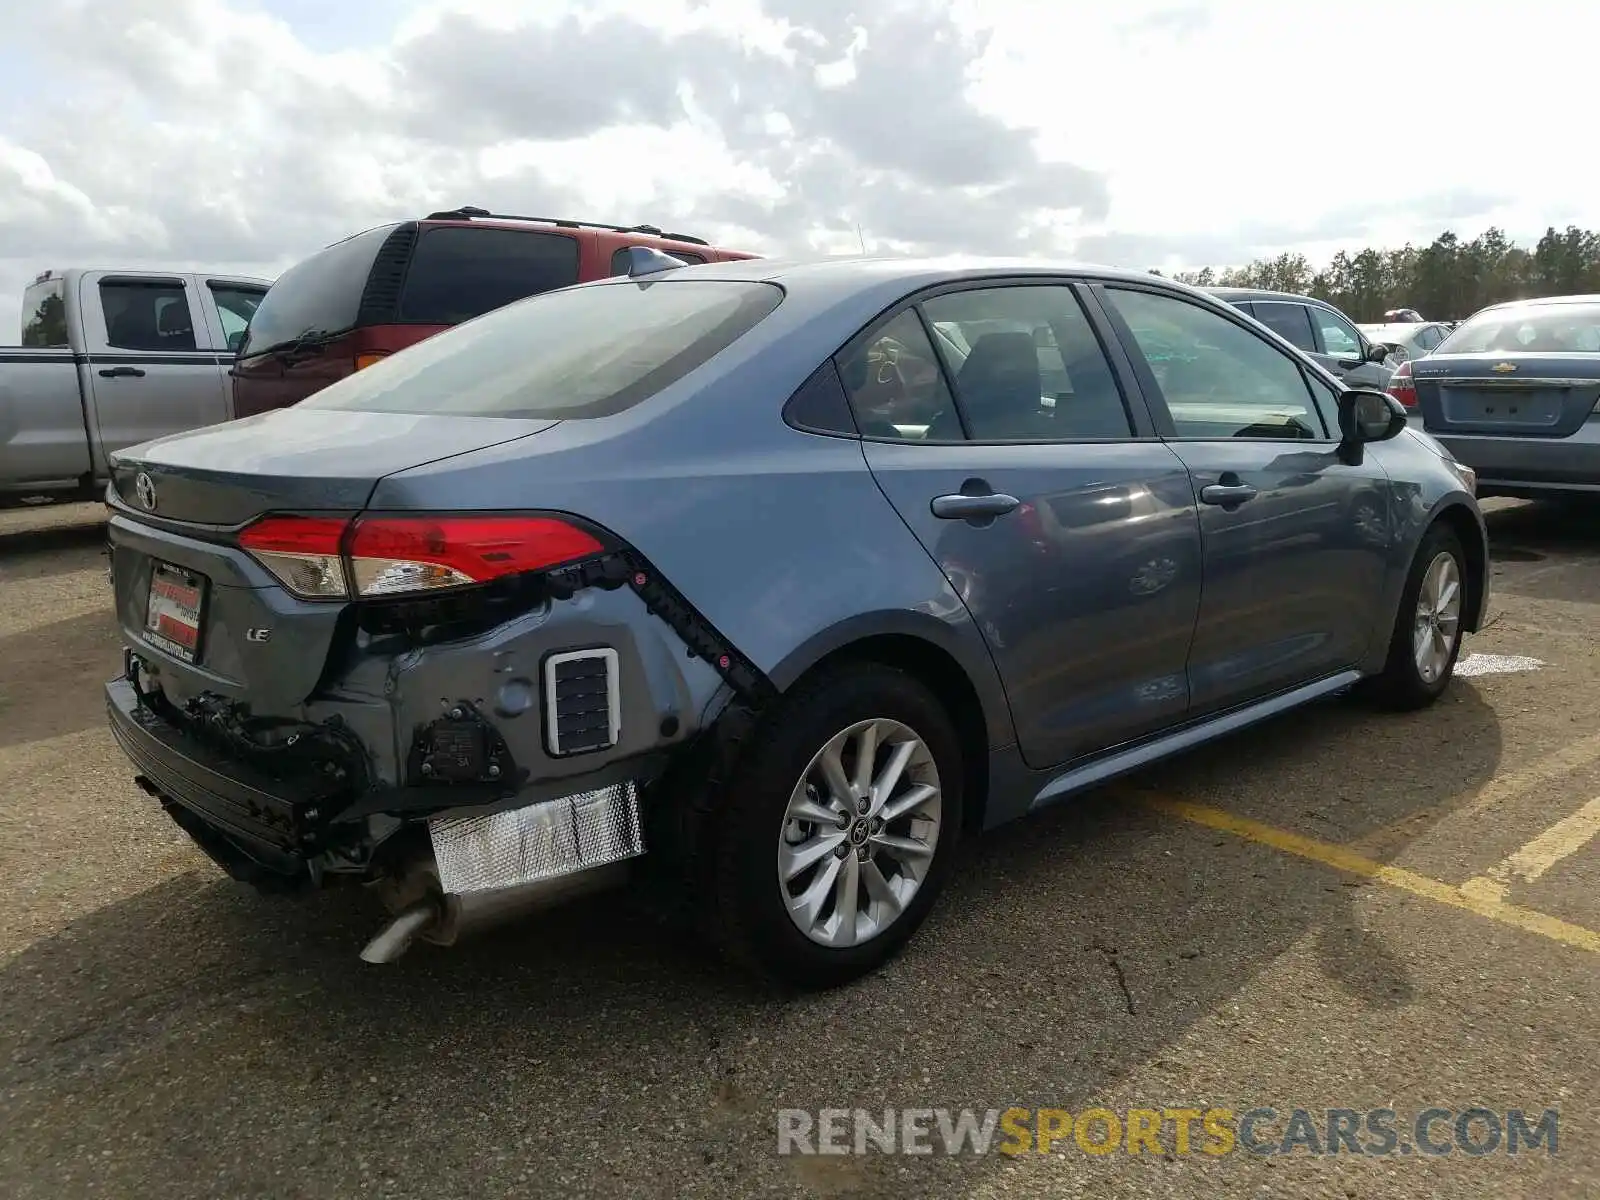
(383, 290)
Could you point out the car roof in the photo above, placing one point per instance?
(910, 272)
(1244, 293)
(1538, 301)
(1396, 329)
(485, 219)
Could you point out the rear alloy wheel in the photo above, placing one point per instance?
(860, 833)
(1427, 630)
(834, 830)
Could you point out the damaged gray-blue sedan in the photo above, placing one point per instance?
(781, 577)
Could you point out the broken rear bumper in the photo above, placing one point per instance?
(239, 818)
(282, 834)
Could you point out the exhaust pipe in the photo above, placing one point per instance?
(485, 870)
(442, 918)
(395, 938)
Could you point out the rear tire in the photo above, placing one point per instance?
(867, 865)
(1426, 640)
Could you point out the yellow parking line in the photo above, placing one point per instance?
(1343, 859)
(1566, 837)
(1498, 790)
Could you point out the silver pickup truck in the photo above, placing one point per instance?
(109, 359)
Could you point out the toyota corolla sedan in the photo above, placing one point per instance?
(784, 576)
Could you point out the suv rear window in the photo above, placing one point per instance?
(586, 352)
(458, 273)
(321, 294)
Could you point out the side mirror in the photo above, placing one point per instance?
(1367, 415)
(1376, 353)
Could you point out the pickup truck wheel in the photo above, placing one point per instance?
(1427, 629)
(834, 832)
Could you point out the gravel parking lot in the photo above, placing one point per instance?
(1341, 909)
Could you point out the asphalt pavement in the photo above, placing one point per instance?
(1339, 910)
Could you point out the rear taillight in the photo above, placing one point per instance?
(395, 555)
(303, 553)
(1401, 386)
(364, 361)
(321, 558)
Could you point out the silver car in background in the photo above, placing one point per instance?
(1407, 340)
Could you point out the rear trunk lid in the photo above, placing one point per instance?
(1536, 395)
(208, 617)
(300, 458)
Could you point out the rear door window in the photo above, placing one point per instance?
(235, 306)
(1339, 337)
(44, 315)
(1036, 371)
(619, 258)
(895, 384)
(585, 352)
(461, 272)
(149, 315)
(1289, 321)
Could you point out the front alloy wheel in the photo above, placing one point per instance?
(1438, 621)
(1427, 628)
(860, 832)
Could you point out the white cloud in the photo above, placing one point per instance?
(243, 134)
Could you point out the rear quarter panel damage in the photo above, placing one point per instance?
(780, 539)
(387, 698)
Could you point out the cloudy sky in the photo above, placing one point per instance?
(243, 134)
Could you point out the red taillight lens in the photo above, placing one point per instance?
(394, 555)
(301, 552)
(1401, 386)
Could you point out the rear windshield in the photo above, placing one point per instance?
(583, 352)
(461, 272)
(1543, 328)
(320, 295)
(44, 314)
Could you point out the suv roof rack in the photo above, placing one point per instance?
(469, 213)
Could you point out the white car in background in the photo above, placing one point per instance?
(1406, 340)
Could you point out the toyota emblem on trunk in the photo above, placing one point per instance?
(145, 488)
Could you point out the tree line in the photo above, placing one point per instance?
(1447, 280)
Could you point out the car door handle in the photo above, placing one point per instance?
(122, 372)
(1227, 493)
(966, 508)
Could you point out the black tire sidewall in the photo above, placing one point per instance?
(1404, 679)
(749, 894)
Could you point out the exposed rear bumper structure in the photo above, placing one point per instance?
(470, 870)
(251, 830)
